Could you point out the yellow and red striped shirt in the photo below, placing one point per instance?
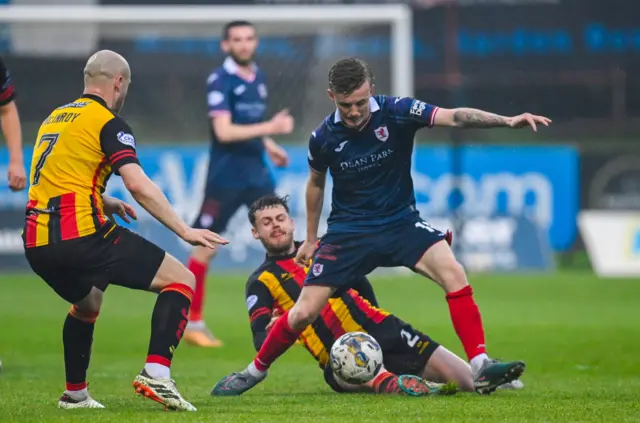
(277, 284)
(79, 146)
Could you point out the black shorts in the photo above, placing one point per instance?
(405, 350)
(344, 257)
(113, 255)
(220, 204)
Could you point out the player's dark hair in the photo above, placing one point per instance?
(347, 75)
(234, 24)
(268, 201)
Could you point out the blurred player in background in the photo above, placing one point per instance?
(367, 143)
(73, 243)
(10, 121)
(240, 137)
(276, 284)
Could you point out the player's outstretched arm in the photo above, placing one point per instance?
(314, 197)
(11, 130)
(260, 306)
(153, 200)
(464, 117)
(13, 134)
(276, 153)
(314, 200)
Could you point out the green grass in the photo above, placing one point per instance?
(579, 335)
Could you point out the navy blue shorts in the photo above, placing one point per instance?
(345, 257)
(220, 204)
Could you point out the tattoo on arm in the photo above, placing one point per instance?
(474, 118)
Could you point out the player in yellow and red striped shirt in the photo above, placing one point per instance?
(73, 243)
(275, 286)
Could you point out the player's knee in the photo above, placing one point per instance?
(84, 314)
(171, 271)
(452, 276)
(189, 279)
(89, 306)
(301, 316)
(185, 277)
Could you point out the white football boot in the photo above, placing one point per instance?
(163, 391)
(69, 403)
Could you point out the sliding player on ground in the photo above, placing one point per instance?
(240, 137)
(367, 143)
(72, 242)
(276, 285)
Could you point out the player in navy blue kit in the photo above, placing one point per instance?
(367, 145)
(240, 137)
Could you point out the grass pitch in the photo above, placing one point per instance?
(580, 338)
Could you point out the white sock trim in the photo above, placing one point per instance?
(477, 361)
(253, 371)
(157, 371)
(196, 324)
(79, 395)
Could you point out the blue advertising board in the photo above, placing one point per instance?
(534, 188)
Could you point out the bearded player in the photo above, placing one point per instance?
(240, 137)
(367, 144)
(276, 284)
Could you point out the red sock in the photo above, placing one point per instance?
(279, 339)
(199, 270)
(467, 321)
(76, 386)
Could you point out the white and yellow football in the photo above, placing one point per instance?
(356, 357)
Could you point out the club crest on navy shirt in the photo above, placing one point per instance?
(370, 167)
(382, 133)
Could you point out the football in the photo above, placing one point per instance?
(356, 357)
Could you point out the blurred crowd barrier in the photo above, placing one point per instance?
(519, 203)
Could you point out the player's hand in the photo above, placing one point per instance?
(305, 253)
(16, 176)
(274, 316)
(276, 153)
(282, 123)
(120, 208)
(527, 119)
(203, 238)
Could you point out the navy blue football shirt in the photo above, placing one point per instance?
(371, 166)
(237, 164)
